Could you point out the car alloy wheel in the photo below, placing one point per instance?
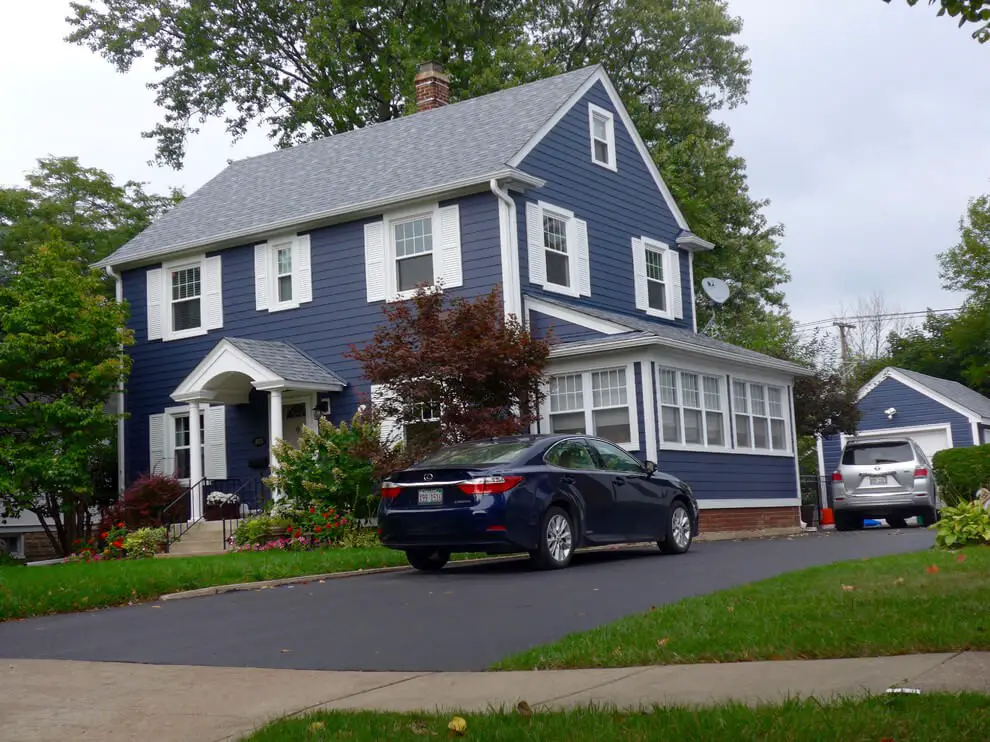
(678, 539)
(426, 560)
(557, 540)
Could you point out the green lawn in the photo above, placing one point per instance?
(931, 601)
(916, 718)
(62, 588)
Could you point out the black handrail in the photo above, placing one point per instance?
(183, 520)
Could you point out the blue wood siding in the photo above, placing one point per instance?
(325, 328)
(617, 206)
(726, 476)
(563, 331)
(913, 409)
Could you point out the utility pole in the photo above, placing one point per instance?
(843, 344)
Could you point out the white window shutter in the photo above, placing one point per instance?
(639, 274)
(213, 293)
(156, 445)
(534, 238)
(215, 443)
(673, 265)
(448, 268)
(583, 263)
(375, 269)
(302, 270)
(261, 276)
(390, 433)
(156, 286)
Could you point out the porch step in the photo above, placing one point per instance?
(204, 537)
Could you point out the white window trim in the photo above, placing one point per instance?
(171, 414)
(292, 242)
(785, 409)
(167, 269)
(704, 446)
(18, 552)
(392, 261)
(572, 256)
(588, 399)
(597, 111)
(668, 283)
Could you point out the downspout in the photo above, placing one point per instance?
(509, 242)
(119, 294)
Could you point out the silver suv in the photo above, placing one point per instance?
(888, 478)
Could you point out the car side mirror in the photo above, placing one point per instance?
(650, 468)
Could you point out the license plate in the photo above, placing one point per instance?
(431, 497)
(878, 479)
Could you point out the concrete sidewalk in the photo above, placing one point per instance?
(43, 700)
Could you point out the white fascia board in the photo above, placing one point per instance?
(574, 316)
(306, 222)
(600, 76)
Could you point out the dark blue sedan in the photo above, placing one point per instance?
(546, 495)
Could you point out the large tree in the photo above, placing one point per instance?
(967, 11)
(966, 265)
(83, 206)
(60, 361)
(314, 68)
(450, 370)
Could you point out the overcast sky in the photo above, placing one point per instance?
(866, 127)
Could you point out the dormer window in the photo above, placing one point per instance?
(602, 125)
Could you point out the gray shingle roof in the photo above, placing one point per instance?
(645, 328)
(952, 390)
(287, 361)
(463, 142)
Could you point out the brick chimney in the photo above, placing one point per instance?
(432, 86)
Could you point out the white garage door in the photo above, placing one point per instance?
(931, 440)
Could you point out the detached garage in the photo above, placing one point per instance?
(936, 413)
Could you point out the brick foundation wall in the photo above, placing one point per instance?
(38, 547)
(748, 519)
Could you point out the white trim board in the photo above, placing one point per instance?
(893, 373)
(599, 75)
(755, 502)
(574, 316)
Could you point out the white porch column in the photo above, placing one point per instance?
(195, 462)
(274, 429)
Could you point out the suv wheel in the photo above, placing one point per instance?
(848, 522)
(556, 544)
(426, 560)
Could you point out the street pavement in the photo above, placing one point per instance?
(464, 618)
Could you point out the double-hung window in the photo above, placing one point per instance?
(602, 130)
(555, 245)
(423, 422)
(760, 419)
(413, 240)
(656, 281)
(283, 273)
(595, 402)
(181, 445)
(184, 300)
(657, 276)
(691, 409)
(558, 254)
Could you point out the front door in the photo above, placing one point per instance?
(296, 414)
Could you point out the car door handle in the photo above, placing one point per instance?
(567, 479)
(619, 480)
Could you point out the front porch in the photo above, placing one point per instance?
(246, 395)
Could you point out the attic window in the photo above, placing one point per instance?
(602, 131)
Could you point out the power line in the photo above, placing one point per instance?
(887, 315)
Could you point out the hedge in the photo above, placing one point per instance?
(961, 472)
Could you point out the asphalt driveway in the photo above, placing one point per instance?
(464, 618)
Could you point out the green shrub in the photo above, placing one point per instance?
(144, 542)
(9, 560)
(333, 466)
(261, 529)
(961, 472)
(965, 524)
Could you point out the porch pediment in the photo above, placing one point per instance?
(235, 365)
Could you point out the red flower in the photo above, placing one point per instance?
(298, 533)
(343, 521)
(312, 510)
(120, 525)
(318, 529)
(326, 516)
(119, 544)
(289, 529)
(104, 535)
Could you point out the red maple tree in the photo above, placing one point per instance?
(455, 369)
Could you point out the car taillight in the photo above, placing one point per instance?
(489, 485)
(920, 472)
(836, 477)
(390, 491)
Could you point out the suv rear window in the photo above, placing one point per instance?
(867, 454)
(475, 453)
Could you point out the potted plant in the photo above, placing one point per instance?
(222, 506)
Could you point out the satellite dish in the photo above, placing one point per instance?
(716, 288)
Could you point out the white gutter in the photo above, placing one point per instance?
(317, 218)
(119, 293)
(509, 239)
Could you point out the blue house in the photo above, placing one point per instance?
(247, 295)
(936, 413)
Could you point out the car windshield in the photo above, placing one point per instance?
(475, 453)
(868, 454)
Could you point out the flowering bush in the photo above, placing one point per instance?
(322, 526)
(222, 498)
(109, 545)
(279, 544)
(144, 543)
(261, 530)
